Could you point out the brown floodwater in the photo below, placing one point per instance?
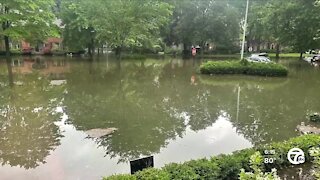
(161, 107)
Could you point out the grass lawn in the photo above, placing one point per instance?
(288, 55)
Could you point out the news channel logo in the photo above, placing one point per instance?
(296, 156)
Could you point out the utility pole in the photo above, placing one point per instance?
(244, 29)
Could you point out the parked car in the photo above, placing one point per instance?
(261, 58)
(313, 58)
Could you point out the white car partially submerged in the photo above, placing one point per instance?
(259, 58)
(313, 58)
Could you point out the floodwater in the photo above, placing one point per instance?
(161, 107)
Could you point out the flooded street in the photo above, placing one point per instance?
(160, 107)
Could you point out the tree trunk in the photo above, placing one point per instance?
(186, 53)
(277, 50)
(118, 52)
(6, 25)
(7, 46)
(301, 54)
(258, 45)
(89, 50)
(202, 49)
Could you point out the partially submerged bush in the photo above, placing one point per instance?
(243, 67)
(315, 117)
(228, 166)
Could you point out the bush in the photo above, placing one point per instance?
(228, 166)
(243, 67)
(315, 153)
(181, 171)
(152, 174)
(256, 161)
(120, 177)
(204, 168)
(315, 117)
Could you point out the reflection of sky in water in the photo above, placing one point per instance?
(81, 158)
(262, 104)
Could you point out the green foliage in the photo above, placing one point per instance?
(248, 163)
(269, 69)
(256, 161)
(294, 24)
(152, 174)
(315, 153)
(230, 165)
(120, 177)
(181, 171)
(243, 67)
(206, 169)
(120, 23)
(315, 117)
(200, 22)
(34, 21)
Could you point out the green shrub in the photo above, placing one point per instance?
(230, 165)
(181, 171)
(152, 174)
(315, 117)
(315, 153)
(256, 162)
(120, 177)
(206, 169)
(243, 67)
(227, 167)
(266, 69)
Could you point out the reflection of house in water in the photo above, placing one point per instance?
(53, 68)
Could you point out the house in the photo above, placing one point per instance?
(52, 44)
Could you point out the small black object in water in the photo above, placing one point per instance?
(139, 164)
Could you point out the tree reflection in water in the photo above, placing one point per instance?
(144, 101)
(154, 102)
(27, 129)
(151, 102)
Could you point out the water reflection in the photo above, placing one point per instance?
(161, 108)
(27, 130)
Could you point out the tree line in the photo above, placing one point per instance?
(152, 25)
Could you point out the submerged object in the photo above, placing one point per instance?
(315, 117)
(307, 129)
(58, 82)
(99, 132)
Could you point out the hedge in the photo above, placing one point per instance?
(225, 167)
(248, 68)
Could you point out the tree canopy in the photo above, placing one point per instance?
(24, 19)
(294, 23)
(120, 23)
(148, 24)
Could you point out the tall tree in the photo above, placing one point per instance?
(122, 23)
(293, 24)
(24, 19)
(201, 22)
(78, 32)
